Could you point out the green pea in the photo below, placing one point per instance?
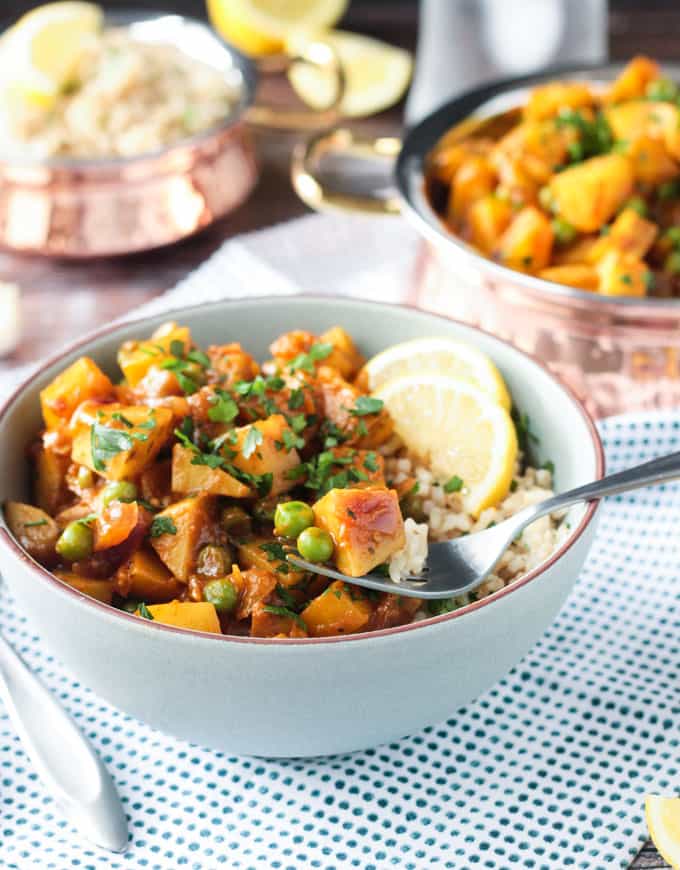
(292, 517)
(222, 593)
(564, 231)
(672, 263)
(119, 490)
(664, 90)
(76, 542)
(673, 236)
(213, 561)
(315, 545)
(85, 477)
(638, 204)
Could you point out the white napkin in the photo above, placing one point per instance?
(547, 770)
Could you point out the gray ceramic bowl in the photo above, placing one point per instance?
(313, 696)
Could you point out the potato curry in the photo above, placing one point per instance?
(580, 186)
(175, 493)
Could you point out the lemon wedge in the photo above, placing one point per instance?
(41, 51)
(458, 429)
(663, 821)
(260, 27)
(376, 74)
(442, 355)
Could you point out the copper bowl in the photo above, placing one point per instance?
(619, 354)
(80, 208)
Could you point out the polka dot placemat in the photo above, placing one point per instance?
(547, 770)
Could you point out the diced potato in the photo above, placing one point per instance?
(264, 623)
(155, 483)
(52, 463)
(547, 100)
(622, 274)
(196, 615)
(193, 520)
(144, 440)
(34, 529)
(366, 526)
(341, 609)
(633, 80)
(652, 163)
(345, 356)
(232, 363)
(269, 455)
(487, 220)
(102, 590)
(576, 253)
(654, 119)
(474, 179)
(135, 358)
(583, 276)
(336, 400)
(145, 578)
(447, 158)
(630, 233)
(532, 150)
(81, 381)
(157, 383)
(527, 243)
(260, 553)
(588, 194)
(187, 478)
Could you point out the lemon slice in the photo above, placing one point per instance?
(663, 821)
(376, 74)
(41, 51)
(442, 355)
(261, 27)
(457, 429)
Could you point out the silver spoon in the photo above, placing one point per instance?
(61, 754)
(458, 566)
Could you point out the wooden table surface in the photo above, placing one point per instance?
(61, 300)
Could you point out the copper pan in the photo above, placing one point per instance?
(618, 354)
(82, 208)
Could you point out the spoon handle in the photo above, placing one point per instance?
(62, 756)
(655, 471)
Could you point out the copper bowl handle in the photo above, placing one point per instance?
(315, 54)
(306, 172)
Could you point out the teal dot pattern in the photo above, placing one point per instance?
(547, 770)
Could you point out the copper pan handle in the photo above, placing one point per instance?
(306, 173)
(315, 54)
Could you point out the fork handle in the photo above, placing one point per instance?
(655, 471)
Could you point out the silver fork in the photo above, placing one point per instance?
(458, 566)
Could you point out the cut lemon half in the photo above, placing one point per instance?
(440, 355)
(261, 27)
(663, 821)
(41, 51)
(458, 430)
(376, 74)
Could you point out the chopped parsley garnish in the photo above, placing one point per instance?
(298, 423)
(285, 596)
(366, 405)
(649, 279)
(258, 386)
(443, 605)
(274, 551)
(121, 418)
(291, 441)
(162, 526)
(224, 409)
(370, 462)
(252, 440)
(285, 611)
(200, 358)
(548, 465)
(453, 484)
(34, 524)
(144, 611)
(212, 460)
(626, 279)
(106, 443)
(594, 135)
(177, 348)
(333, 435)
(306, 361)
(296, 400)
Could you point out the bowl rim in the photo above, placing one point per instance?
(126, 18)
(410, 176)
(45, 576)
